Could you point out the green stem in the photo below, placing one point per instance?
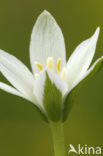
(58, 138)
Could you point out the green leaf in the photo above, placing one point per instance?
(70, 97)
(52, 100)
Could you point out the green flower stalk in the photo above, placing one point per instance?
(53, 82)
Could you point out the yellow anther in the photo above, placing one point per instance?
(39, 65)
(36, 75)
(58, 64)
(63, 73)
(49, 63)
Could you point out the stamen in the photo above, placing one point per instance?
(36, 75)
(63, 73)
(39, 65)
(49, 63)
(58, 64)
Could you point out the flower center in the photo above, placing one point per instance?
(50, 65)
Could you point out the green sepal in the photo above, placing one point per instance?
(70, 97)
(52, 100)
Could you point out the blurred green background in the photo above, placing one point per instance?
(22, 131)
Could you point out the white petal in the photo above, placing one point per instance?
(39, 88)
(46, 41)
(13, 91)
(81, 59)
(91, 71)
(9, 89)
(39, 84)
(58, 81)
(17, 74)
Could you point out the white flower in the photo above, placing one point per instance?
(52, 76)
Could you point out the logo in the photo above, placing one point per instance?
(84, 150)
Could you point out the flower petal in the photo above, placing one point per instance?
(12, 90)
(39, 84)
(70, 97)
(17, 74)
(39, 88)
(81, 59)
(46, 41)
(58, 81)
(92, 70)
(9, 89)
(52, 100)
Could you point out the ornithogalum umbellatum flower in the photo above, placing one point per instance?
(53, 82)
